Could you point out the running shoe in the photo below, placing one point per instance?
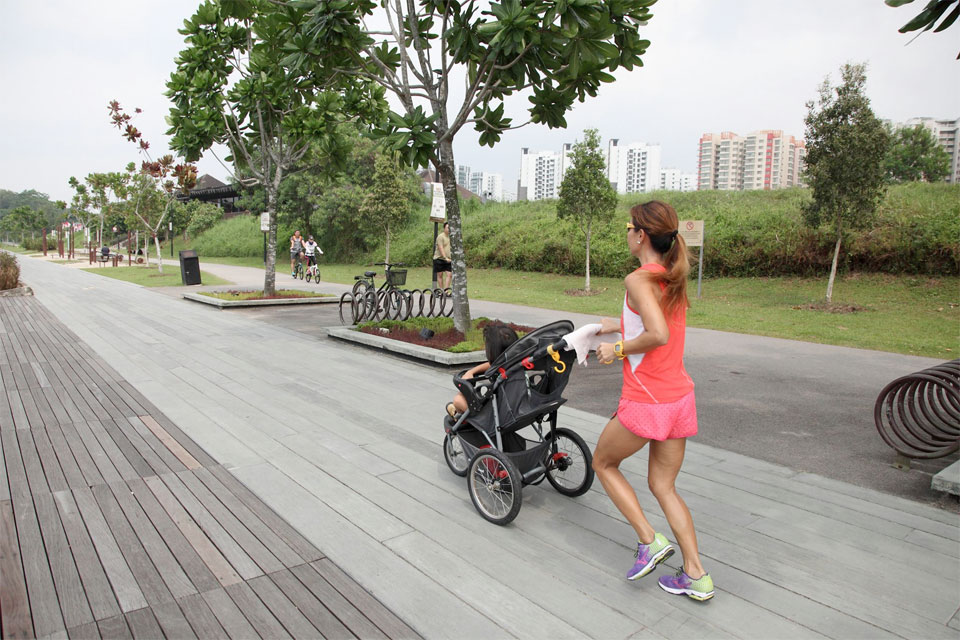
(683, 585)
(649, 556)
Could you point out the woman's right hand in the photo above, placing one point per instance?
(609, 325)
(605, 353)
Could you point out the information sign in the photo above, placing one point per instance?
(692, 232)
(265, 221)
(438, 210)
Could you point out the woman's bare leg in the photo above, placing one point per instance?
(666, 459)
(615, 445)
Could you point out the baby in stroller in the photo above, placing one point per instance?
(496, 338)
(503, 432)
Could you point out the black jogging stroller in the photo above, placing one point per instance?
(508, 437)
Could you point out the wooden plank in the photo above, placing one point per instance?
(43, 407)
(117, 457)
(256, 612)
(204, 624)
(288, 613)
(229, 615)
(73, 411)
(129, 595)
(51, 466)
(327, 609)
(132, 401)
(86, 412)
(31, 463)
(372, 608)
(166, 564)
(191, 563)
(66, 578)
(195, 450)
(91, 475)
(182, 454)
(89, 631)
(44, 606)
(34, 421)
(97, 454)
(14, 603)
(130, 452)
(253, 548)
(156, 447)
(20, 419)
(146, 574)
(239, 560)
(60, 412)
(264, 533)
(207, 551)
(143, 624)
(172, 621)
(96, 586)
(300, 545)
(68, 464)
(115, 628)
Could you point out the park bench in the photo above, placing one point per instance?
(105, 256)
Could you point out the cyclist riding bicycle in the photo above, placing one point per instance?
(311, 250)
(296, 250)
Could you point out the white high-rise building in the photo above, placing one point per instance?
(633, 168)
(463, 176)
(540, 175)
(947, 133)
(489, 186)
(676, 180)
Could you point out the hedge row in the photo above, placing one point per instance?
(916, 229)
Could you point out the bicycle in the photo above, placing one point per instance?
(298, 268)
(313, 270)
(368, 302)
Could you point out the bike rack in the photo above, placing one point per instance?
(918, 415)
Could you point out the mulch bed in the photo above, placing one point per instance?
(441, 340)
(832, 307)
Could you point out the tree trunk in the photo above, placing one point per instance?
(270, 274)
(448, 178)
(833, 268)
(587, 285)
(156, 243)
(387, 259)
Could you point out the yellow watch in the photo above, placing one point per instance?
(618, 350)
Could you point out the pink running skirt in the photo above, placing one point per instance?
(663, 421)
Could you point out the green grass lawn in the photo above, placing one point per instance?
(905, 314)
(258, 295)
(150, 277)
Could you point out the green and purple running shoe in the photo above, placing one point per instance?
(649, 556)
(683, 585)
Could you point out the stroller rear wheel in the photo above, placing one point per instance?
(495, 486)
(455, 456)
(569, 463)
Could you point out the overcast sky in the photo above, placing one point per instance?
(738, 65)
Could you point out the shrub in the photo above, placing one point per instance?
(9, 271)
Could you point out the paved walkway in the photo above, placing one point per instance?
(115, 524)
(345, 446)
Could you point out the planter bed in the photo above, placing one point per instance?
(418, 352)
(216, 302)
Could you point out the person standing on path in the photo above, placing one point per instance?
(657, 404)
(296, 248)
(441, 258)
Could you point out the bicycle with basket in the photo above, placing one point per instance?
(366, 302)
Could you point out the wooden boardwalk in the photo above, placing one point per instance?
(343, 443)
(114, 524)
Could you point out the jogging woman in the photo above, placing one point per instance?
(657, 404)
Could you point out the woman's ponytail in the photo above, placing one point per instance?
(660, 222)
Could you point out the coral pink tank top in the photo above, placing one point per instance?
(655, 376)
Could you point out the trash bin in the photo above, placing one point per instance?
(189, 267)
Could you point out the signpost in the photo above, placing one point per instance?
(438, 215)
(170, 236)
(265, 227)
(692, 233)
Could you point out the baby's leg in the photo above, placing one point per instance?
(460, 403)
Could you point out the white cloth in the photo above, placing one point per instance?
(586, 339)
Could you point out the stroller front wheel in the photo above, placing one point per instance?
(454, 455)
(569, 463)
(495, 486)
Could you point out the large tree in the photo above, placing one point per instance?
(559, 51)
(846, 144)
(234, 85)
(585, 193)
(386, 205)
(914, 155)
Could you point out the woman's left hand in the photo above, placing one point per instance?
(609, 325)
(605, 353)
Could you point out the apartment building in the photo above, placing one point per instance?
(765, 159)
(489, 186)
(541, 173)
(676, 180)
(947, 133)
(463, 176)
(633, 168)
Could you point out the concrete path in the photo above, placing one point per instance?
(345, 446)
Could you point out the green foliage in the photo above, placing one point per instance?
(22, 220)
(386, 206)
(915, 154)
(9, 271)
(33, 199)
(196, 216)
(237, 237)
(585, 194)
(926, 19)
(748, 233)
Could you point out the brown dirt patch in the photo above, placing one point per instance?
(832, 307)
(583, 293)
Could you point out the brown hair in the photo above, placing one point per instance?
(659, 221)
(496, 338)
